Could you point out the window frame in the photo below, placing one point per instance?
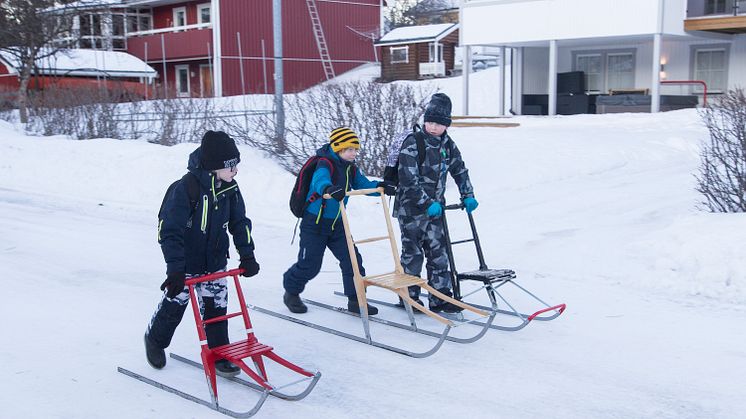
(175, 12)
(201, 7)
(695, 49)
(404, 48)
(604, 53)
(177, 84)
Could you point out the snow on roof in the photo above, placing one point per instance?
(422, 33)
(89, 4)
(87, 62)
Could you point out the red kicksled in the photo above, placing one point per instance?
(237, 353)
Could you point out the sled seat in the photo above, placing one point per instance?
(393, 281)
(488, 275)
(240, 350)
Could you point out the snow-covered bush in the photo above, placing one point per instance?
(722, 171)
(377, 112)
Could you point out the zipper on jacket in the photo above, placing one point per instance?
(347, 184)
(205, 209)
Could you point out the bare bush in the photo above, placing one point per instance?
(377, 112)
(722, 171)
(114, 112)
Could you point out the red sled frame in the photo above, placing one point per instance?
(236, 353)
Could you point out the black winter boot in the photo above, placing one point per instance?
(156, 356)
(400, 304)
(226, 369)
(445, 307)
(437, 305)
(294, 303)
(354, 307)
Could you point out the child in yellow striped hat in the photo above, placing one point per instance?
(335, 173)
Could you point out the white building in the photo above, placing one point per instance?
(644, 46)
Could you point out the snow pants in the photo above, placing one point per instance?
(314, 240)
(423, 237)
(213, 298)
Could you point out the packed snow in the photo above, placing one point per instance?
(595, 211)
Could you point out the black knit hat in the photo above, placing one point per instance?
(218, 151)
(439, 109)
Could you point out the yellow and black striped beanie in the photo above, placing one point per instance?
(342, 138)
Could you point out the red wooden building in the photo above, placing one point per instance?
(225, 47)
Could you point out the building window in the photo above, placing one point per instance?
(203, 13)
(399, 54)
(180, 16)
(710, 64)
(138, 20)
(715, 7)
(620, 71)
(436, 52)
(182, 81)
(591, 66)
(606, 70)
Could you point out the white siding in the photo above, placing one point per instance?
(737, 71)
(535, 71)
(496, 22)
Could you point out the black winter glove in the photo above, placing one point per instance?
(336, 192)
(175, 284)
(388, 187)
(249, 265)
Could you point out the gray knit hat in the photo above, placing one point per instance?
(439, 109)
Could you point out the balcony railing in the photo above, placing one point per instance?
(715, 8)
(176, 45)
(433, 69)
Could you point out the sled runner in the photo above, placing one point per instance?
(492, 280)
(237, 353)
(398, 282)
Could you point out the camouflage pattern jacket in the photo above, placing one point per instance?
(420, 186)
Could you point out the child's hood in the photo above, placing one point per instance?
(326, 151)
(196, 169)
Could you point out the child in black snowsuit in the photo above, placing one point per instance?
(321, 226)
(420, 198)
(194, 240)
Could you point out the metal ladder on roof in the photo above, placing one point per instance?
(318, 33)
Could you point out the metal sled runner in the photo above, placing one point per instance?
(492, 279)
(236, 352)
(398, 282)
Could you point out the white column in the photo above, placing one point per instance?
(517, 79)
(552, 77)
(465, 70)
(501, 102)
(217, 60)
(655, 92)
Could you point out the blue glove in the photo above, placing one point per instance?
(470, 204)
(435, 209)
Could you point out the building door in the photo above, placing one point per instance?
(205, 80)
(183, 88)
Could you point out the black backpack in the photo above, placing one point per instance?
(192, 184)
(391, 172)
(298, 201)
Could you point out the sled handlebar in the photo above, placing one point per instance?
(358, 192)
(455, 206)
(213, 276)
